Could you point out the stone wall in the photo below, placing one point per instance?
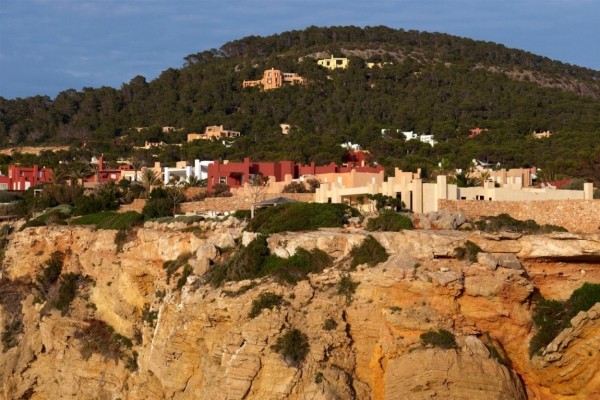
(222, 204)
(574, 215)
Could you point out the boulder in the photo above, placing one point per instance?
(487, 260)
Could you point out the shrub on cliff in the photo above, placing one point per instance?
(172, 266)
(293, 347)
(551, 316)
(100, 338)
(505, 222)
(265, 300)
(389, 221)
(347, 287)
(369, 252)
(442, 339)
(255, 261)
(469, 252)
(300, 217)
(50, 273)
(296, 267)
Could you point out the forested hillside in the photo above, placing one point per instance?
(433, 84)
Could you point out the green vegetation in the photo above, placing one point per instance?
(186, 219)
(469, 252)
(330, 324)
(505, 222)
(66, 292)
(173, 266)
(296, 267)
(442, 339)
(254, 261)
(370, 252)
(242, 215)
(149, 316)
(347, 287)
(10, 334)
(319, 377)
(454, 80)
(121, 238)
(50, 273)
(551, 316)
(100, 338)
(51, 217)
(187, 271)
(110, 220)
(293, 347)
(12, 294)
(265, 300)
(389, 221)
(300, 217)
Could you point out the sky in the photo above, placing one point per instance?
(48, 46)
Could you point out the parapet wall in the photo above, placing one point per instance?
(574, 215)
(222, 204)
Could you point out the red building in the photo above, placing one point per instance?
(104, 175)
(22, 178)
(356, 158)
(237, 173)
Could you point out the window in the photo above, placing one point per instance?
(223, 180)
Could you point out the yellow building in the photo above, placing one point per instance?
(333, 63)
(213, 131)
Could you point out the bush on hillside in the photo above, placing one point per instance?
(100, 338)
(389, 221)
(293, 347)
(296, 267)
(551, 316)
(158, 208)
(369, 252)
(255, 261)
(295, 187)
(469, 252)
(55, 216)
(172, 266)
(265, 300)
(442, 339)
(50, 273)
(93, 204)
(505, 222)
(301, 217)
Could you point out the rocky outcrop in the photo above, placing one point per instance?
(192, 340)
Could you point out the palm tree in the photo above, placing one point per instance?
(77, 172)
(137, 164)
(60, 174)
(150, 180)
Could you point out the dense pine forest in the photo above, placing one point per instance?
(431, 83)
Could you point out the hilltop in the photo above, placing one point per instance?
(431, 83)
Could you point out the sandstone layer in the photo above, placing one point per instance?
(198, 341)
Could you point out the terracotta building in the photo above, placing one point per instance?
(274, 79)
(236, 174)
(22, 178)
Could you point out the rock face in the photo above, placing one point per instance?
(191, 340)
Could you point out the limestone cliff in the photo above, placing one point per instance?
(198, 342)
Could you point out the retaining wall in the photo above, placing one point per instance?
(574, 215)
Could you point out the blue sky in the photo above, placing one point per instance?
(47, 46)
